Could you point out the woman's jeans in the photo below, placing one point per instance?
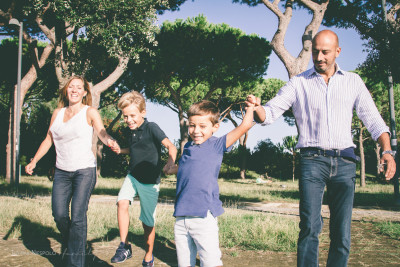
(338, 175)
(75, 188)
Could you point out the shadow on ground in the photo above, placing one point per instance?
(36, 239)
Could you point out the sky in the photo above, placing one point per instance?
(261, 21)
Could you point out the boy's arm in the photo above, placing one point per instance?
(259, 111)
(246, 124)
(172, 152)
(123, 151)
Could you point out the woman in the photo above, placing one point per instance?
(71, 130)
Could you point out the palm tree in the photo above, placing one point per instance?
(289, 143)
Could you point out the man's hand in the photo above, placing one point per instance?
(252, 100)
(390, 163)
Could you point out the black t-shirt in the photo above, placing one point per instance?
(145, 152)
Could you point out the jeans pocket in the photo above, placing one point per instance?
(308, 155)
(349, 161)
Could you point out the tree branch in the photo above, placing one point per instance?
(111, 79)
(50, 33)
(294, 65)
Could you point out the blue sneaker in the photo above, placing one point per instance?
(123, 253)
(148, 263)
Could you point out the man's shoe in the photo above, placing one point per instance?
(123, 253)
(148, 263)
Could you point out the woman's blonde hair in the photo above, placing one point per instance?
(134, 98)
(63, 98)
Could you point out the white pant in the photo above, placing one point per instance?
(197, 234)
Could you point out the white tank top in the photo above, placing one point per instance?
(73, 141)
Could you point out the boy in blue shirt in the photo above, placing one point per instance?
(197, 193)
(143, 179)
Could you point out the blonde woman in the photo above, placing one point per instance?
(71, 131)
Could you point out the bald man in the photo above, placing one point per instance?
(323, 99)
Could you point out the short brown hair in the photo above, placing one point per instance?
(134, 98)
(63, 98)
(203, 108)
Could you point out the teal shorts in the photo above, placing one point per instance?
(148, 196)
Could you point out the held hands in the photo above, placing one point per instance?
(253, 101)
(170, 168)
(388, 163)
(111, 143)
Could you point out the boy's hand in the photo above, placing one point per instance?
(114, 146)
(170, 169)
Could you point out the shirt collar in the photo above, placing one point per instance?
(141, 127)
(313, 72)
(204, 143)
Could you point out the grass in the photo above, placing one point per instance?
(391, 229)
(27, 214)
(28, 217)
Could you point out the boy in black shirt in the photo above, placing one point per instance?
(144, 174)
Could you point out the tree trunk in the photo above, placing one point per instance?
(378, 159)
(362, 156)
(243, 155)
(10, 148)
(294, 65)
(183, 129)
(26, 83)
(242, 149)
(294, 163)
(97, 145)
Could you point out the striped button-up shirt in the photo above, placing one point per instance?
(323, 111)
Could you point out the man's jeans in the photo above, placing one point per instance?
(75, 188)
(338, 175)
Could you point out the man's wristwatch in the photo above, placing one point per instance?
(391, 152)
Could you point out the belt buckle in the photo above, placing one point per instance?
(336, 152)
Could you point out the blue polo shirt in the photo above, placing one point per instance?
(197, 188)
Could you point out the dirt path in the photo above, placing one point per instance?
(369, 248)
(365, 214)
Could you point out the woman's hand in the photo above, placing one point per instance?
(111, 143)
(29, 168)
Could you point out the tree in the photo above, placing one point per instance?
(270, 159)
(8, 10)
(367, 18)
(289, 143)
(284, 11)
(231, 102)
(78, 31)
(379, 94)
(197, 60)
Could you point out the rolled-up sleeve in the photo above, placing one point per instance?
(369, 114)
(279, 104)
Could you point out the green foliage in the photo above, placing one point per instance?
(91, 32)
(366, 17)
(121, 27)
(42, 91)
(230, 168)
(197, 60)
(270, 159)
(289, 143)
(35, 123)
(114, 165)
(380, 94)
